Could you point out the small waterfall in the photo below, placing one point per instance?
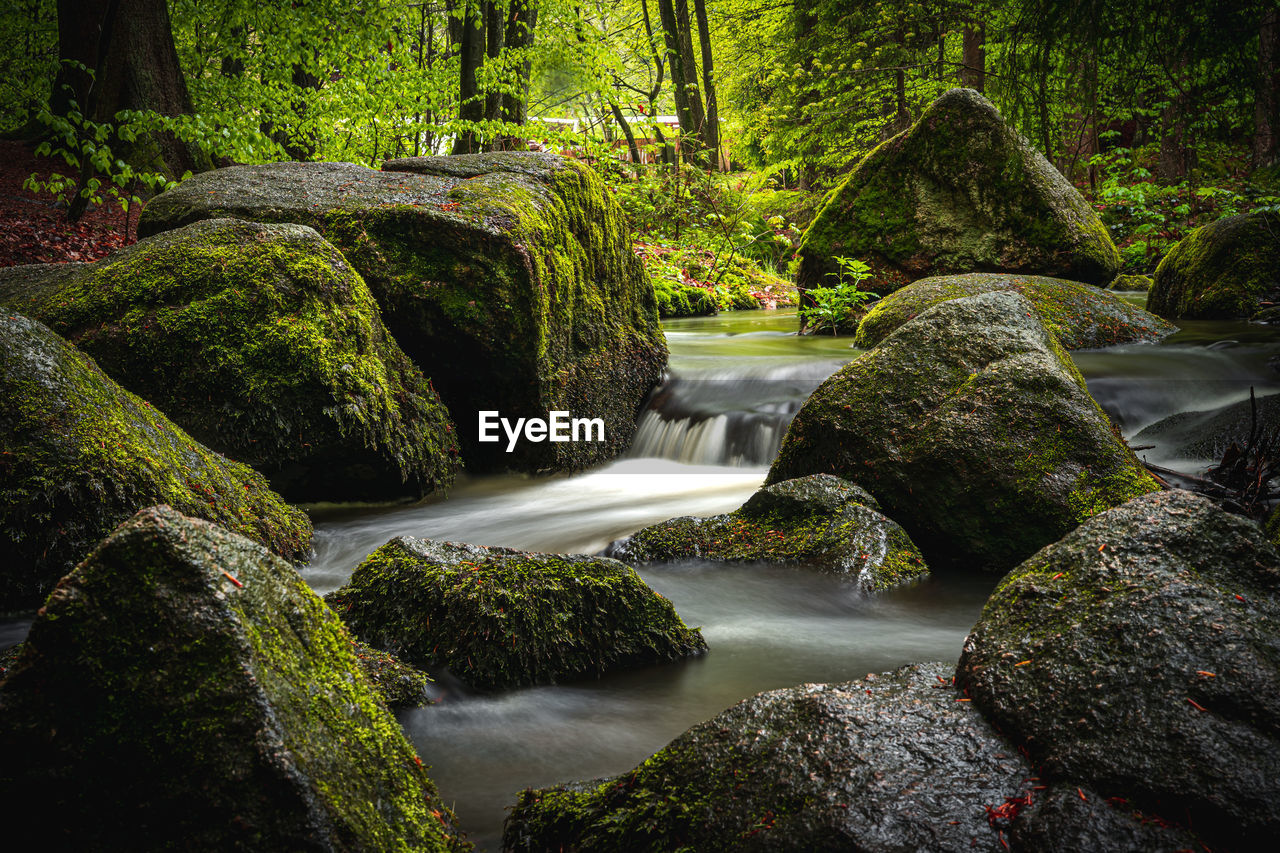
(734, 417)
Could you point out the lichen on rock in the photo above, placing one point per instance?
(497, 617)
(81, 455)
(1082, 316)
(508, 278)
(960, 191)
(263, 343)
(184, 689)
(1226, 269)
(818, 521)
(1140, 655)
(973, 429)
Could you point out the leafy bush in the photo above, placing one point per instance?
(832, 307)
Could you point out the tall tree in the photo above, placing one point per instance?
(973, 67)
(1266, 101)
(674, 15)
(471, 54)
(711, 126)
(522, 22)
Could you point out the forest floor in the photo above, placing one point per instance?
(34, 227)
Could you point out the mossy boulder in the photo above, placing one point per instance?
(397, 683)
(1227, 269)
(262, 343)
(676, 299)
(974, 431)
(508, 278)
(184, 689)
(1207, 435)
(818, 521)
(1273, 527)
(496, 617)
(960, 191)
(1131, 283)
(893, 762)
(1082, 316)
(1140, 655)
(81, 455)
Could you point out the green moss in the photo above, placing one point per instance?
(1079, 315)
(263, 343)
(959, 191)
(1273, 527)
(82, 454)
(500, 618)
(398, 684)
(1223, 270)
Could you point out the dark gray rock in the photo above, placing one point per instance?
(184, 689)
(1140, 656)
(819, 521)
(894, 762)
(973, 429)
(1229, 268)
(1207, 435)
(1071, 819)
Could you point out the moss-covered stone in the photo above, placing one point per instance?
(676, 299)
(496, 617)
(81, 454)
(508, 278)
(1229, 268)
(1082, 316)
(184, 689)
(1207, 435)
(973, 429)
(1140, 655)
(818, 521)
(1130, 282)
(397, 683)
(893, 762)
(1273, 527)
(262, 343)
(960, 191)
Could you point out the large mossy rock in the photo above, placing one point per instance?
(496, 617)
(818, 521)
(1082, 316)
(960, 191)
(262, 343)
(1273, 527)
(893, 762)
(184, 689)
(1227, 269)
(1207, 435)
(81, 454)
(973, 430)
(1140, 655)
(508, 278)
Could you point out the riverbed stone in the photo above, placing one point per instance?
(263, 343)
(960, 191)
(1081, 315)
(1068, 818)
(1130, 282)
(184, 689)
(818, 521)
(1224, 270)
(892, 762)
(1140, 656)
(498, 617)
(973, 429)
(81, 455)
(508, 278)
(1208, 434)
(397, 684)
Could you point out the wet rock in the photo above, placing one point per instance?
(81, 455)
(1130, 282)
(893, 762)
(183, 688)
(819, 521)
(497, 617)
(1229, 268)
(1069, 819)
(262, 343)
(397, 683)
(1082, 316)
(960, 191)
(1273, 527)
(1207, 435)
(1140, 656)
(974, 431)
(508, 278)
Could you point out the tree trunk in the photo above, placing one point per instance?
(495, 37)
(471, 55)
(632, 148)
(1175, 153)
(521, 23)
(711, 129)
(129, 44)
(1266, 104)
(973, 69)
(691, 79)
(682, 72)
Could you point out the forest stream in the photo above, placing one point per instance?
(703, 446)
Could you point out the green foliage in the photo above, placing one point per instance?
(832, 307)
